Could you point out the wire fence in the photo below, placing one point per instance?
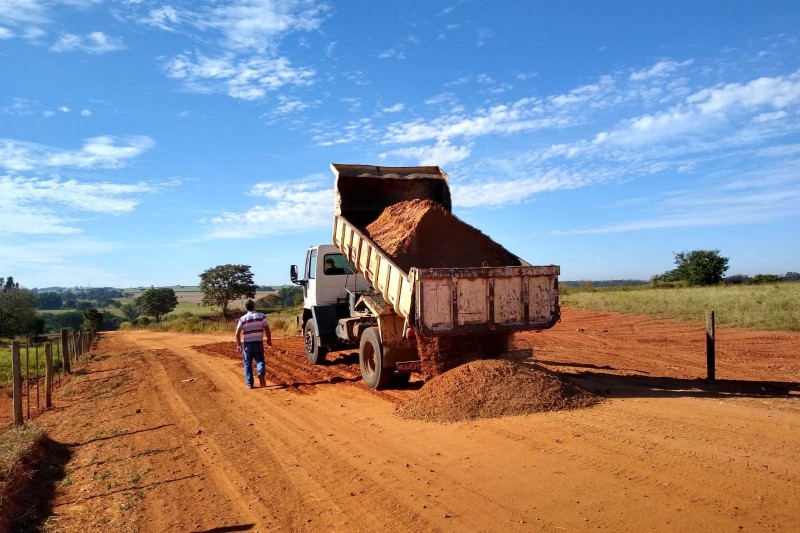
(38, 365)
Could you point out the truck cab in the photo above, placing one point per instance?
(330, 287)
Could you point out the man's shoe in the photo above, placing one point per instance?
(262, 380)
(249, 386)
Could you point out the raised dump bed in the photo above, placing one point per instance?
(444, 277)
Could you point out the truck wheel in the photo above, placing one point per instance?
(370, 356)
(314, 352)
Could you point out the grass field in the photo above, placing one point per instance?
(770, 306)
(189, 301)
(28, 360)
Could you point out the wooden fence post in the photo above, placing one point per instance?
(48, 375)
(17, 377)
(65, 352)
(710, 346)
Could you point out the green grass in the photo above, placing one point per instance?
(5, 362)
(773, 306)
(281, 324)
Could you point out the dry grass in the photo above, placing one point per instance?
(17, 446)
(773, 306)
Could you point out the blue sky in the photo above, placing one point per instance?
(144, 142)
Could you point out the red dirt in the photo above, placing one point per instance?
(163, 437)
(423, 234)
(440, 354)
(287, 368)
(490, 389)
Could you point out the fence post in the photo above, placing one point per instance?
(65, 352)
(710, 346)
(48, 375)
(17, 377)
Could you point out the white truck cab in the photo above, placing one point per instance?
(327, 276)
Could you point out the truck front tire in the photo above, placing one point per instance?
(315, 353)
(370, 357)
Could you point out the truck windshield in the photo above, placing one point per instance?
(337, 265)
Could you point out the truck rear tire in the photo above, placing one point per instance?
(315, 353)
(370, 358)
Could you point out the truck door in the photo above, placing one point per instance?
(310, 275)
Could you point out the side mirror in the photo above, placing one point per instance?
(293, 274)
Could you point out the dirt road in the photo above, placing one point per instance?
(163, 436)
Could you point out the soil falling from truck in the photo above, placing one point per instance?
(423, 234)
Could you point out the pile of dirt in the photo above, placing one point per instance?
(493, 388)
(423, 234)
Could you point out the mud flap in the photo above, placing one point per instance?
(326, 319)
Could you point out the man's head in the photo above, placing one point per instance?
(329, 263)
(250, 305)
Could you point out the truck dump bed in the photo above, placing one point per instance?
(437, 301)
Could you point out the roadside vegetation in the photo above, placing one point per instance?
(698, 284)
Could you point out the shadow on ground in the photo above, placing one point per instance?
(645, 386)
(32, 500)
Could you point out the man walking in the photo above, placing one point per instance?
(250, 327)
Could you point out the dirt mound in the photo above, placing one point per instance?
(493, 388)
(423, 234)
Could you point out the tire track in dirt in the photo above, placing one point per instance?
(307, 492)
(287, 367)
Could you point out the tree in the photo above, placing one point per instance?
(791, 276)
(157, 302)
(698, 267)
(289, 295)
(18, 311)
(10, 284)
(48, 300)
(270, 300)
(130, 311)
(92, 320)
(224, 283)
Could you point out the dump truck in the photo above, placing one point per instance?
(356, 295)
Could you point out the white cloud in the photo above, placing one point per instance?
(522, 115)
(441, 154)
(258, 24)
(396, 108)
(95, 42)
(86, 113)
(290, 105)
(392, 53)
(64, 109)
(5, 33)
(247, 79)
(21, 12)
(290, 207)
(706, 210)
(97, 152)
(659, 70)
(45, 205)
(164, 17)
(777, 92)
